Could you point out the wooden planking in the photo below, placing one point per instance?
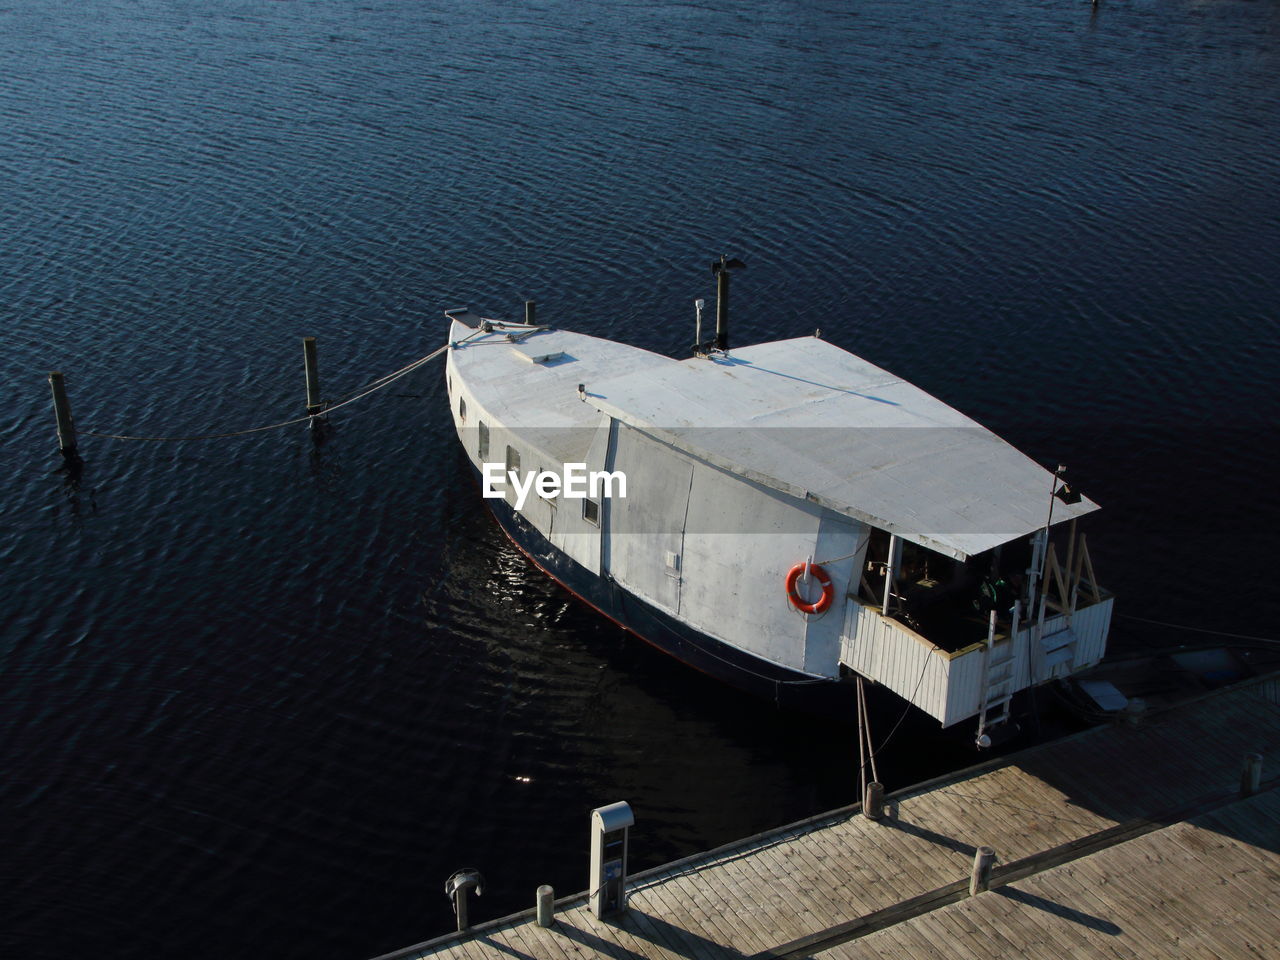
(889, 654)
(1090, 625)
(1186, 890)
(788, 884)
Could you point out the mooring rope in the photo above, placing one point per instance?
(866, 720)
(910, 703)
(377, 385)
(862, 543)
(1214, 633)
(862, 743)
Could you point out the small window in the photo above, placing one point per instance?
(448, 385)
(462, 409)
(484, 440)
(547, 491)
(513, 460)
(591, 511)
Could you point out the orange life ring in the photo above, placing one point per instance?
(823, 602)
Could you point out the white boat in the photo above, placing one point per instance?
(794, 516)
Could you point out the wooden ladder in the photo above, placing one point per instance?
(997, 678)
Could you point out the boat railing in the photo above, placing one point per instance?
(949, 684)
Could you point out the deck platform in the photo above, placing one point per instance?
(1128, 840)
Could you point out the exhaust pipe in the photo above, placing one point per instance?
(720, 269)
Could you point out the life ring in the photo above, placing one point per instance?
(828, 593)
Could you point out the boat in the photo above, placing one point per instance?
(785, 516)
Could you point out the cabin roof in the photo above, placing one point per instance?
(530, 385)
(815, 421)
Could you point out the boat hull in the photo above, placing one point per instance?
(788, 689)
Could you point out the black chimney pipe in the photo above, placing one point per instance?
(721, 270)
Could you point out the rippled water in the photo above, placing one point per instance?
(261, 697)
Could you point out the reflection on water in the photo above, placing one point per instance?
(262, 696)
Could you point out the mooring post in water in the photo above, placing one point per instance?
(314, 406)
(980, 878)
(1251, 775)
(530, 313)
(62, 410)
(546, 905)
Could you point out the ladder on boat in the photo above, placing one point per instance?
(1058, 649)
(997, 680)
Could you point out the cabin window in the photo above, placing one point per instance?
(591, 511)
(513, 461)
(484, 440)
(547, 491)
(448, 385)
(462, 409)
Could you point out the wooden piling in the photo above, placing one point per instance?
(546, 905)
(1251, 775)
(873, 802)
(980, 878)
(62, 411)
(314, 406)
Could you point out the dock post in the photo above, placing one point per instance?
(546, 905)
(460, 909)
(456, 889)
(314, 406)
(980, 878)
(1251, 774)
(530, 313)
(873, 802)
(62, 411)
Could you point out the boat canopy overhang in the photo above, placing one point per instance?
(814, 421)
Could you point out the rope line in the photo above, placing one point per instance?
(387, 379)
(1214, 633)
(866, 718)
(907, 709)
(862, 743)
(862, 542)
(373, 388)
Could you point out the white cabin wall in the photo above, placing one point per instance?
(539, 512)
(740, 541)
(645, 529)
(572, 532)
(841, 549)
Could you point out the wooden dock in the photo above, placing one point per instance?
(1129, 840)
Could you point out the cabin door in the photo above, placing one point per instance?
(644, 531)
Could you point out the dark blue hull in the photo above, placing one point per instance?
(788, 689)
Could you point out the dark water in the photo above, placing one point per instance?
(261, 698)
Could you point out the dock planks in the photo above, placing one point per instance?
(1201, 888)
(1182, 867)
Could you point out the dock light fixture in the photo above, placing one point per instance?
(610, 826)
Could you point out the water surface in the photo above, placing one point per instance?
(260, 698)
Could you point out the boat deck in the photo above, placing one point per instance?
(1125, 840)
